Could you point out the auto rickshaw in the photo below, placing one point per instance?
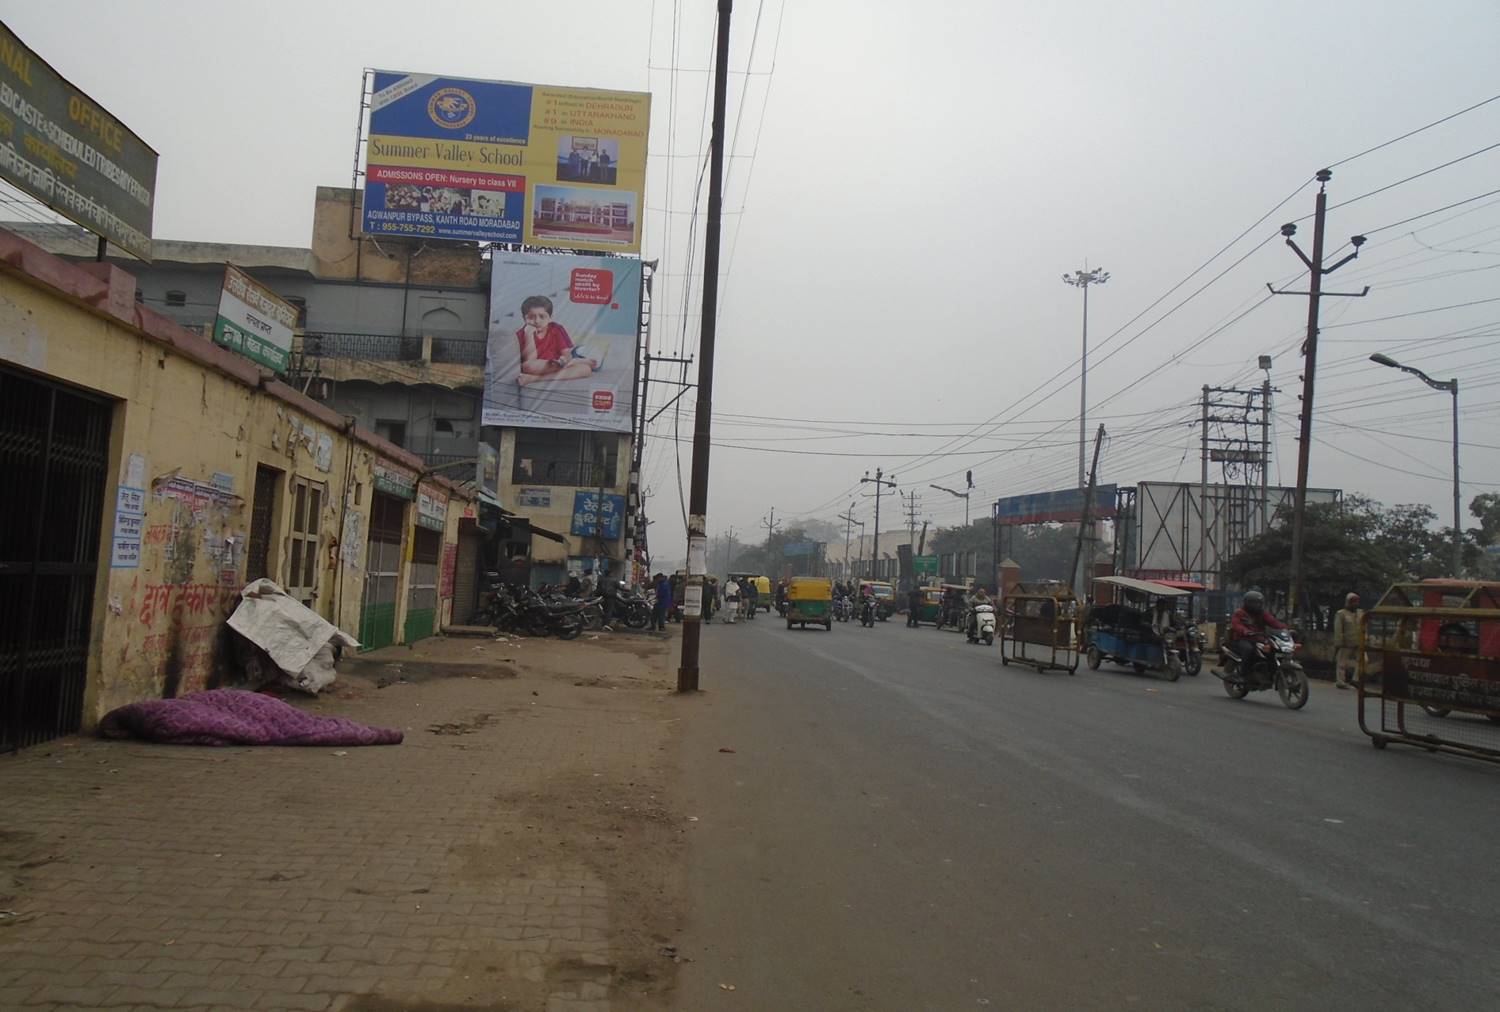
(809, 599)
(885, 597)
(761, 586)
(931, 607)
(1122, 632)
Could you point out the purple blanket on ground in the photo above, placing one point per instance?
(236, 717)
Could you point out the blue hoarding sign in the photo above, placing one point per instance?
(590, 519)
(1063, 506)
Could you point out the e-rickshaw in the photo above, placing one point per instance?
(1431, 650)
(1038, 627)
(1122, 632)
(885, 597)
(809, 599)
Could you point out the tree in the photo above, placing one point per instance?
(1044, 551)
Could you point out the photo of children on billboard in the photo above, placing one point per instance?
(562, 341)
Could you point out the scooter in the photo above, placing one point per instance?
(982, 624)
(1274, 667)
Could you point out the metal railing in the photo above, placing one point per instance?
(574, 473)
(446, 348)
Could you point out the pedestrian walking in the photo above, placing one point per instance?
(913, 607)
(1346, 641)
(663, 603)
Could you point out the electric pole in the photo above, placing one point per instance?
(881, 483)
(1088, 503)
(697, 525)
(1315, 293)
(770, 524)
(848, 519)
(728, 549)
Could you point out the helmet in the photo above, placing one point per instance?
(1254, 602)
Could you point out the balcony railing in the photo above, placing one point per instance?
(449, 349)
(575, 473)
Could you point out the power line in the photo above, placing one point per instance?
(1413, 133)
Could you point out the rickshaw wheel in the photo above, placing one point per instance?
(1094, 658)
(828, 624)
(1140, 668)
(1378, 742)
(789, 624)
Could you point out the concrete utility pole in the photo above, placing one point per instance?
(1083, 279)
(770, 523)
(1088, 504)
(1315, 293)
(692, 611)
(848, 519)
(1451, 386)
(728, 550)
(881, 483)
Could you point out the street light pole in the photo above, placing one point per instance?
(1083, 279)
(960, 495)
(1451, 387)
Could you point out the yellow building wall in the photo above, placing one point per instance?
(191, 437)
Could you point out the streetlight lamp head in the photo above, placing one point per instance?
(1264, 363)
(1357, 241)
(1380, 359)
(1289, 229)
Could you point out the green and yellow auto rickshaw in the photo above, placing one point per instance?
(809, 599)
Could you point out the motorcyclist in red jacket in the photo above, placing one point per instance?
(1247, 627)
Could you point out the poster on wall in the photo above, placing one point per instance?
(595, 515)
(562, 341)
(497, 161)
(256, 322)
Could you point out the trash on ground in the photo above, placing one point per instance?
(236, 717)
(299, 641)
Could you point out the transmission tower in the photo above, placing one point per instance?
(1236, 437)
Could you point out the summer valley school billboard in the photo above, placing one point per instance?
(494, 161)
(562, 342)
(59, 146)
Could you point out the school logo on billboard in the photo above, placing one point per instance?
(451, 108)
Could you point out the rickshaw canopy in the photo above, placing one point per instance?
(1144, 586)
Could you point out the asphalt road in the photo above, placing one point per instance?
(905, 824)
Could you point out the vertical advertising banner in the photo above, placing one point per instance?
(562, 341)
(495, 161)
(255, 321)
(58, 145)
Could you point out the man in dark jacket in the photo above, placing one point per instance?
(663, 603)
(913, 606)
(1248, 625)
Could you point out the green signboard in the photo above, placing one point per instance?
(925, 565)
(58, 145)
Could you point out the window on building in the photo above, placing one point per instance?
(443, 425)
(560, 457)
(307, 512)
(392, 430)
(176, 298)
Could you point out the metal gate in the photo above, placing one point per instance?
(466, 572)
(54, 446)
(377, 615)
(422, 598)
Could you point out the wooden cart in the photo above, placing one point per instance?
(1039, 627)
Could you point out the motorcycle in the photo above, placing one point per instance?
(843, 609)
(632, 608)
(982, 624)
(1274, 667)
(1189, 647)
(867, 613)
(541, 617)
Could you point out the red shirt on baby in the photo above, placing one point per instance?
(553, 344)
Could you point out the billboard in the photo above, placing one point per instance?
(254, 321)
(1063, 506)
(562, 341)
(496, 161)
(595, 515)
(63, 149)
(1177, 530)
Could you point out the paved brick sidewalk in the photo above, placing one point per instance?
(513, 853)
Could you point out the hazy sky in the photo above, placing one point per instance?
(909, 183)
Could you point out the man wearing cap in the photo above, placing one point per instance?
(1346, 640)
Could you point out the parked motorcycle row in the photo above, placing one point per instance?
(546, 611)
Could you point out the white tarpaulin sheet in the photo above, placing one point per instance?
(298, 639)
